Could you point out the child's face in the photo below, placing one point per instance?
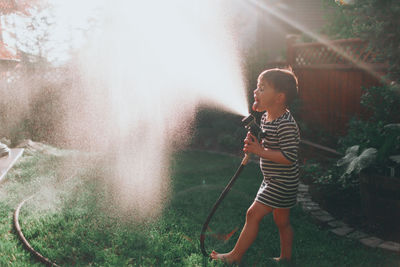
(265, 96)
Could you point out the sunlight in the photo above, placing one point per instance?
(273, 11)
(177, 36)
(67, 23)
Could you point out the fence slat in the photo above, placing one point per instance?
(330, 84)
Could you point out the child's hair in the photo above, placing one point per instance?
(282, 80)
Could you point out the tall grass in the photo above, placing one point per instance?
(81, 227)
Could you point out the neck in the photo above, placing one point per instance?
(276, 112)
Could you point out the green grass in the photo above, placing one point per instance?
(73, 221)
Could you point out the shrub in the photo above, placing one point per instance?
(379, 129)
(315, 172)
(373, 20)
(31, 106)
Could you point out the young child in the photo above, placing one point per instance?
(276, 88)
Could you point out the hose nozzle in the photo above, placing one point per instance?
(251, 125)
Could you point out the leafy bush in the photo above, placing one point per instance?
(379, 129)
(354, 162)
(315, 172)
(373, 20)
(377, 21)
(32, 103)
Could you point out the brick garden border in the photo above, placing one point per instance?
(339, 227)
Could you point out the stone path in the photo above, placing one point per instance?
(338, 227)
(7, 162)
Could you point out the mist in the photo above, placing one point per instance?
(136, 84)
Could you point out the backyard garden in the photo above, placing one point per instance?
(124, 167)
(362, 185)
(83, 229)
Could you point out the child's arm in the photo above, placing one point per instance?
(251, 145)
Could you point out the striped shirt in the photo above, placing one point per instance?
(279, 186)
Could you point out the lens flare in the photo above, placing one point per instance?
(270, 10)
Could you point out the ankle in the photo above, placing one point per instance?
(282, 259)
(235, 257)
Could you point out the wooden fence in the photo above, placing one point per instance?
(331, 77)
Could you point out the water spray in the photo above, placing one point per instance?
(251, 126)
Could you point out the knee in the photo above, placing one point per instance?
(252, 215)
(281, 223)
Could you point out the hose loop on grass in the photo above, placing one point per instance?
(217, 203)
(25, 242)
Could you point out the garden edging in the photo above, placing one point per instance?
(338, 227)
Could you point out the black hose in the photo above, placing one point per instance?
(218, 202)
(25, 242)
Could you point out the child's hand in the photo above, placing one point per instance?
(251, 145)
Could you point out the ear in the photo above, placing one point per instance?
(281, 98)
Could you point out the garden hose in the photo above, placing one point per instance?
(25, 242)
(251, 126)
(218, 202)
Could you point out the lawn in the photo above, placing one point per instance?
(72, 220)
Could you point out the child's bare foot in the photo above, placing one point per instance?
(227, 257)
(279, 259)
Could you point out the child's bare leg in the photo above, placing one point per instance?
(249, 233)
(281, 218)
